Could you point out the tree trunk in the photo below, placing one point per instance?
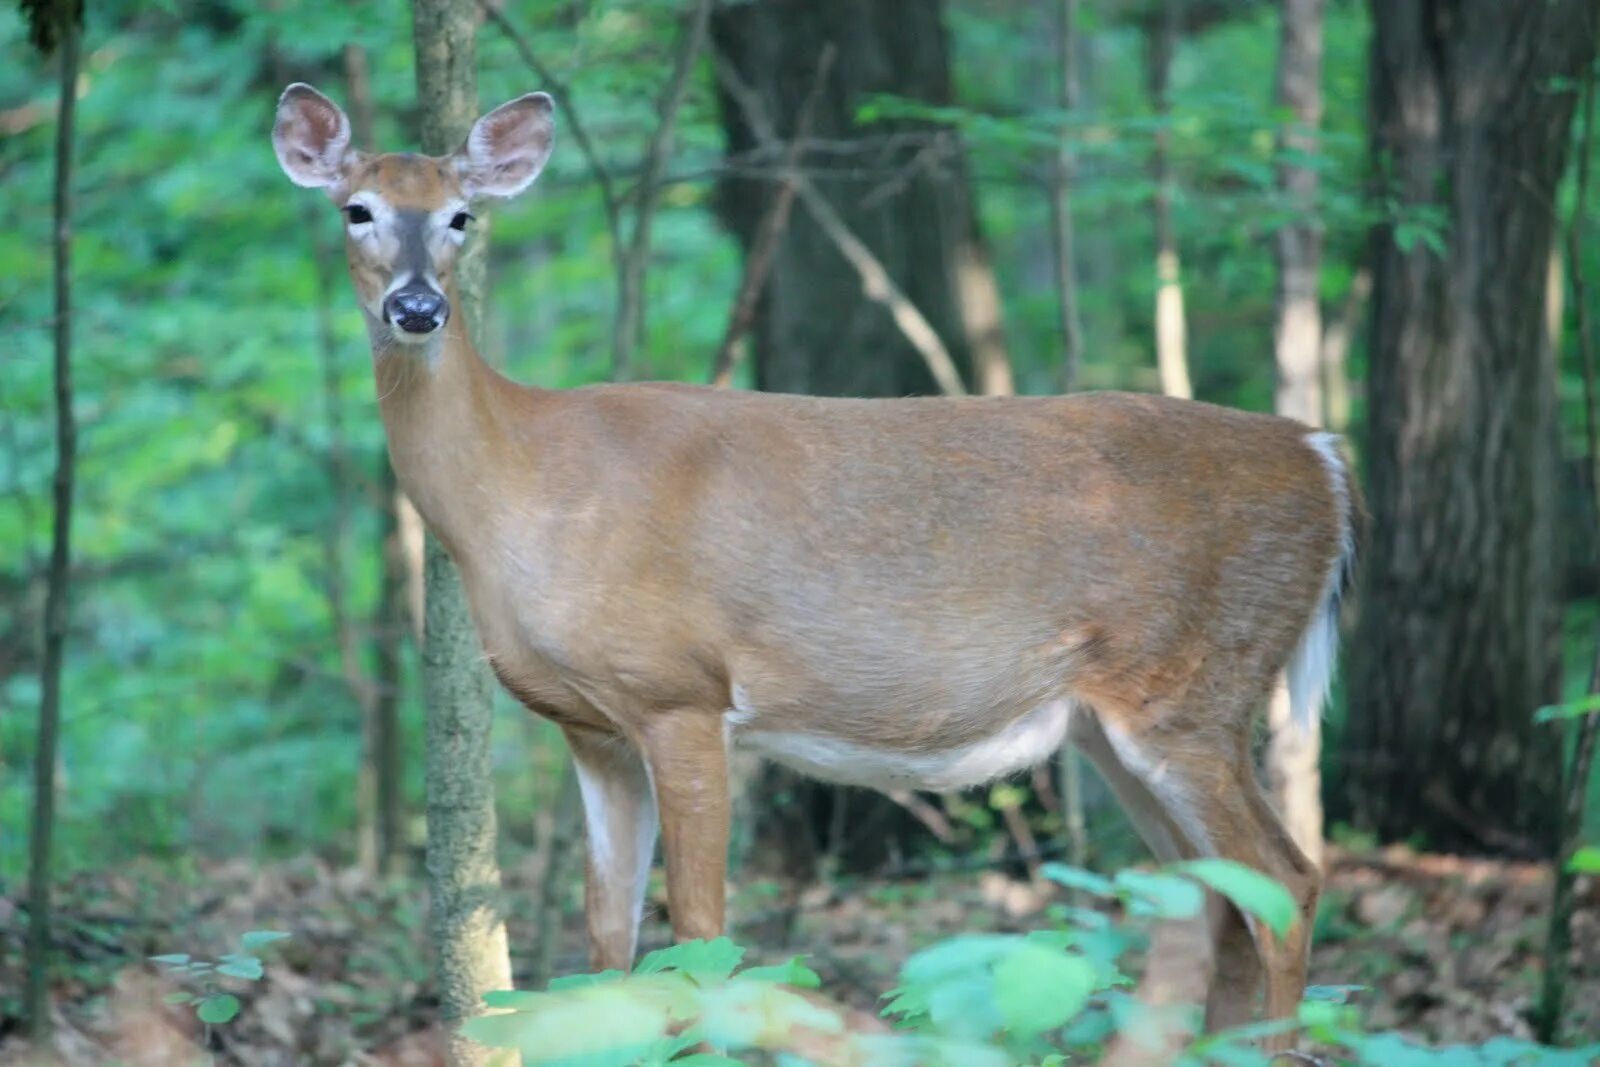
(469, 936)
(1172, 346)
(1457, 643)
(37, 1008)
(815, 330)
(1295, 749)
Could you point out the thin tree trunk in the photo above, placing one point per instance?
(1458, 639)
(1335, 355)
(1172, 354)
(628, 325)
(560, 851)
(1062, 176)
(1066, 270)
(57, 594)
(1295, 749)
(1547, 1017)
(468, 932)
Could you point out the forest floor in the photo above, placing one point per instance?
(1449, 950)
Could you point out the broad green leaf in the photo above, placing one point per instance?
(176, 959)
(791, 972)
(581, 981)
(257, 938)
(1165, 896)
(246, 967)
(1250, 891)
(177, 998)
(1586, 860)
(1039, 990)
(1572, 709)
(707, 961)
(218, 1008)
(1079, 879)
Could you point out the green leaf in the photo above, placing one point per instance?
(177, 998)
(1585, 861)
(706, 961)
(1250, 891)
(218, 1008)
(791, 972)
(1164, 896)
(246, 967)
(1572, 709)
(1079, 879)
(257, 938)
(1040, 990)
(176, 959)
(580, 981)
(706, 1059)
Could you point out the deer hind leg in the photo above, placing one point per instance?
(1213, 797)
(1184, 962)
(620, 823)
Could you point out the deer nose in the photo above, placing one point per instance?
(416, 309)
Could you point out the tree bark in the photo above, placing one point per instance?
(1457, 641)
(468, 932)
(1172, 346)
(815, 330)
(1295, 749)
(57, 595)
(1063, 241)
(900, 189)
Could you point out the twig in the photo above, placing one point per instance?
(1587, 728)
(925, 813)
(57, 602)
(628, 323)
(771, 229)
(876, 283)
(562, 93)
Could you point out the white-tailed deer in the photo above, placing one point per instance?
(922, 593)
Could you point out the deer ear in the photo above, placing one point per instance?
(508, 147)
(311, 136)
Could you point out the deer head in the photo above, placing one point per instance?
(407, 215)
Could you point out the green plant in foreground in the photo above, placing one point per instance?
(214, 1006)
(1051, 997)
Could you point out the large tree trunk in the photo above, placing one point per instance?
(66, 33)
(1293, 755)
(815, 330)
(1457, 641)
(469, 935)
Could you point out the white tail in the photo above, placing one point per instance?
(1311, 668)
(912, 593)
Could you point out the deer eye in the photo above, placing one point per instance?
(459, 222)
(357, 214)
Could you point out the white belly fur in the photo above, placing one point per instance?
(1024, 743)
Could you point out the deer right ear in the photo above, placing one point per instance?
(311, 136)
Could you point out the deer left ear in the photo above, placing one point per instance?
(508, 147)
(311, 137)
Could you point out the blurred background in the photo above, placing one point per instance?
(1376, 226)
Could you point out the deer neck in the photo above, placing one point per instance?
(442, 408)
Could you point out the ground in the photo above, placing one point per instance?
(1448, 948)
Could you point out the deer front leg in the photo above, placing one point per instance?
(620, 820)
(688, 756)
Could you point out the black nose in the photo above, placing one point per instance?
(416, 309)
